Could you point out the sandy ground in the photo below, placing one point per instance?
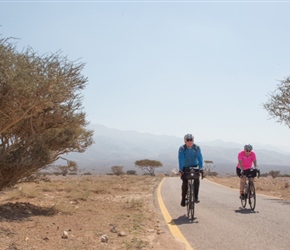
(96, 212)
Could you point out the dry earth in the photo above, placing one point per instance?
(76, 212)
(278, 187)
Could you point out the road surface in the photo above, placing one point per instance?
(220, 221)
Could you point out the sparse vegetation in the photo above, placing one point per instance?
(212, 174)
(274, 174)
(117, 170)
(85, 206)
(131, 172)
(208, 168)
(148, 165)
(278, 187)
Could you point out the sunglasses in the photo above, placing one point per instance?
(189, 140)
(248, 151)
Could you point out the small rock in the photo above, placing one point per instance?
(114, 230)
(122, 234)
(150, 230)
(64, 235)
(26, 211)
(104, 238)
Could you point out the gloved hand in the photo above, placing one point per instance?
(242, 172)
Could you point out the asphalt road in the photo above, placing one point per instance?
(220, 221)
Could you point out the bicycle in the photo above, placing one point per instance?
(191, 174)
(249, 189)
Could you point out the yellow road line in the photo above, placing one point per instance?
(172, 227)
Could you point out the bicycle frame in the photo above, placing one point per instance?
(191, 175)
(250, 191)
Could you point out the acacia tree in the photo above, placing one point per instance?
(71, 167)
(278, 105)
(41, 115)
(148, 165)
(208, 167)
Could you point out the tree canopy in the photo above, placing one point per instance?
(41, 115)
(148, 165)
(278, 105)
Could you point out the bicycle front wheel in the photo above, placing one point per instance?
(191, 203)
(252, 195)
(187, 199)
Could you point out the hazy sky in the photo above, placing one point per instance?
(168, 67)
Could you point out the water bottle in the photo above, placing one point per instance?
(246, 188)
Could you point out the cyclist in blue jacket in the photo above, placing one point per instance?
(189, 155)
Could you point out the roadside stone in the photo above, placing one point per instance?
(122, 234)
(64, 235)
(114, 230)
(104, 238)
(26, 211)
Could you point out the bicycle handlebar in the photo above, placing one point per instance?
(247, 175)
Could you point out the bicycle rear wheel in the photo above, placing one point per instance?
(252, 195)
(244, 201)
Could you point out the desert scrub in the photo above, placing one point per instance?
(77, 195)
(22, 192)
(64, 207)
(135, 243)
(136, 204)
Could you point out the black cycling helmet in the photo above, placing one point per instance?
(188, 137)
(248, 147)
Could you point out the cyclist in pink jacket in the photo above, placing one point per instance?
(246, 158)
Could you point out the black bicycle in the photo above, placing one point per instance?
(191, 174)
(249, 189)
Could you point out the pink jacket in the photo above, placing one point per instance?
(247, 161)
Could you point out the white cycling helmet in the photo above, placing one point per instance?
(188, 137)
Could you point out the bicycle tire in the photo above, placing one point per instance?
(187, 200)
(252, 195)
(191, 202)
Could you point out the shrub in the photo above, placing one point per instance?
(131, 172)
(274, 174)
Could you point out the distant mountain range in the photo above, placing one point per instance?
(115, 147)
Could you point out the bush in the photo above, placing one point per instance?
(87, 173)
(117, 170)
(212, 174)
(131, 172)
(274, 174)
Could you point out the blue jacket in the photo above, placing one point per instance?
(189, 157)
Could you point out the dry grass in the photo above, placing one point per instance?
(278, 187)
(34, 216)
